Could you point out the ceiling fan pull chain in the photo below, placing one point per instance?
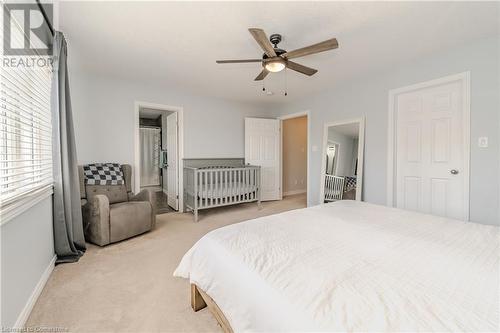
(263, 85)
(286, 83)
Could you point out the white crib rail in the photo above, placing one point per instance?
(334, 188)
(221, 186)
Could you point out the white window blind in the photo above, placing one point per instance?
(25, 129)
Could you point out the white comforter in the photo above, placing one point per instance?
(351, 266)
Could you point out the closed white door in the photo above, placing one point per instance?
(262, 148)
(430, 150)
(172, 168)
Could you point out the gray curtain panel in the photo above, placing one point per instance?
(69, 241)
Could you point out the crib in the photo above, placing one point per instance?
(212, 186)
(334, 188)
(339, 188)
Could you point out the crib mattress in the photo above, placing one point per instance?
(220, 190)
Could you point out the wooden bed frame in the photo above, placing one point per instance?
(200, 300)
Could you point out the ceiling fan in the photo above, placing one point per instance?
(276, 59)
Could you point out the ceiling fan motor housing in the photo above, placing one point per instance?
(275, 39)
(278, 53)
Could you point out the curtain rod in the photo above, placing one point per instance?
(45, 17)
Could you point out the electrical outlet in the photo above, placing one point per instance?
(482, 142)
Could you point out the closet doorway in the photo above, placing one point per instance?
(294, 155)
(158, 154)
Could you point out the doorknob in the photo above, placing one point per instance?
(454, 171)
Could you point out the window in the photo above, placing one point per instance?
(25, 133)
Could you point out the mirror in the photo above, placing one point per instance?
(342, 166)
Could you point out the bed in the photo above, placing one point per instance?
(348, 266)
(217, 182)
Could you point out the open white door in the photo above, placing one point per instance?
(172, 169)
(262, 147)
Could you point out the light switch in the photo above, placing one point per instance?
(482, 142)
(314, 148)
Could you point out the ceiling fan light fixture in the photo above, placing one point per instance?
(275, 65)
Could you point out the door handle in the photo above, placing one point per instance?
(454, 171)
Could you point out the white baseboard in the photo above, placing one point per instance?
(164, 191)
(294, 192)
(25, 313)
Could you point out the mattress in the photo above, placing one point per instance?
(350, 266)
(220, 191)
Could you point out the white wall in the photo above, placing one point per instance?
(27, 249)
(368, 96)
(103, 110)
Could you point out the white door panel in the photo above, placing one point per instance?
(172, 170)
(262, 145)
(429, 145)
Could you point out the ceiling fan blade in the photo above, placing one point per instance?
(262, 75)
(311, 49)
(263, 41)
(301, 68)
(237, 61)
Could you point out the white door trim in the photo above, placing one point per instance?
(180, 149)
(361, 153)
(464, 78)
(291, 116)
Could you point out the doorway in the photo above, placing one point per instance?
(158, 154)
(294, 156)
(264, 147)
(429, 147)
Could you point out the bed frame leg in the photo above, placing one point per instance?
(259, 205)
(195, 214)
(197, 301)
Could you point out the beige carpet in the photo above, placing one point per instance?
(128, 286)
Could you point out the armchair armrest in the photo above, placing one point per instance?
(148, 196)
(144, 195)
(96, 220)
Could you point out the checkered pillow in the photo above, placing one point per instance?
(350, 183)
(103, 174)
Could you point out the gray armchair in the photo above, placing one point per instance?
(112, 213)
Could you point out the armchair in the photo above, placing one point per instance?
(112, 213)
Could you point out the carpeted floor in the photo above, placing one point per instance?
(128, 286)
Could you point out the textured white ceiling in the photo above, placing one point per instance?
(177, 43)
